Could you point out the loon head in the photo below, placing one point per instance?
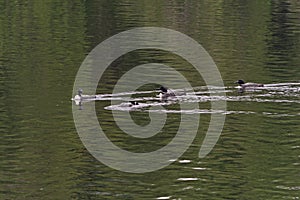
(80, 91)
(240, 82)
(163, 89)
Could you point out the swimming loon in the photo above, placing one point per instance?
(165, 93)
(248, 85)
(134, 103)
(80, 96)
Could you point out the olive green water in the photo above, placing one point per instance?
(42, 45)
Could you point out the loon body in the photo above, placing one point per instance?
(244, 85)
(133, 103)
(165, 93)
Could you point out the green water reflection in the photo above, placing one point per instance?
(42, 44)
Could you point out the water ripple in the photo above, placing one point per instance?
(270, 93)
(188, 179)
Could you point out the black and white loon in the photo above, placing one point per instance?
(248, 85)
(165, 93)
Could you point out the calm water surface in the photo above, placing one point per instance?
(42, 44)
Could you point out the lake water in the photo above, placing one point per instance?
(42, 46)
